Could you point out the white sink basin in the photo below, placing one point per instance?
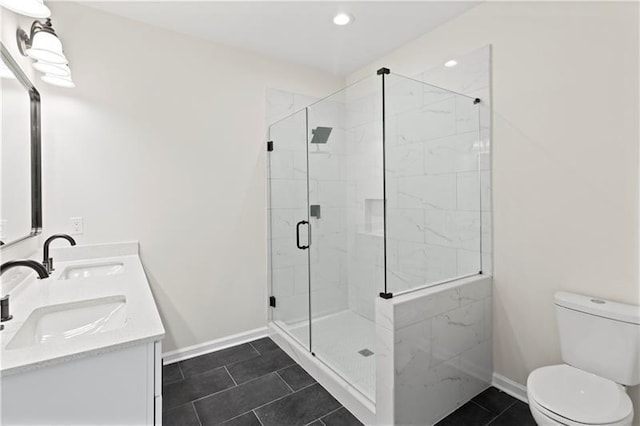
(58, 323)
(93, 270)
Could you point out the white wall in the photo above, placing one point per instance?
(565, 158)
(163, 141)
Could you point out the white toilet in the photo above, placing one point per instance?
(600, 342)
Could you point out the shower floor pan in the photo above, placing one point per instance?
(345, 341)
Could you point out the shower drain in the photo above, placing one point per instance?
(365, 352)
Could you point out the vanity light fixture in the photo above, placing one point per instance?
(52, 69)
(33, 8)
(451, 63)
(58, 80)
(42, 43)
(342, 19)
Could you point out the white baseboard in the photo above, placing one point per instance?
(514, 389)
(213, 345)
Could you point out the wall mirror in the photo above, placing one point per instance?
(20, 157)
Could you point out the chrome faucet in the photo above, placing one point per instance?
(4, 302)
(47, 261)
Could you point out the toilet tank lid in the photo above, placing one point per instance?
(597, 306)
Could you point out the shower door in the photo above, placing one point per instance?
(346, 257)
(289, 241)
(326, 233)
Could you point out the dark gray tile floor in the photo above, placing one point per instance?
(255, 383)
(491, 407)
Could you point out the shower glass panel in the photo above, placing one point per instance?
(373, 191)
(434, 218)
(347, 252)
(288, 225)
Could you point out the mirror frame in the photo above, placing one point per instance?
(36, 154)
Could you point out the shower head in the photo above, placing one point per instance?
(320, 134)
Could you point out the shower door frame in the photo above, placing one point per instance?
(272, 298)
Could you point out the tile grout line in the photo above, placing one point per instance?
(196, 411)
(290, 365)
(270, 402)
(234, 380)
(330, 413)
(494, 416)
(222, 365)
(254, 348)
(265, 374)
(481, 406)
(502, 412)
(208, 371)
(240, 415)
(180, 370)
(256, 414)
(285, 382)
(255, 408)
(233, 387)
(254, 357)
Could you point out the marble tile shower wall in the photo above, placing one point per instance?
(472, 77)
(438, 180)
(365, 187)
(433, 185)
(327, 189)
(434, 350)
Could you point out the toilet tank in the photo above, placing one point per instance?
(600, 336)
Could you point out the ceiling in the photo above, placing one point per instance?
(301, 32)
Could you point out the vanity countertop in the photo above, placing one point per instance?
(142, 322)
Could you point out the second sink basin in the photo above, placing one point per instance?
(92, 270)
(58, 323)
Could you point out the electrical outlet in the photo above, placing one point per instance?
(76, 225)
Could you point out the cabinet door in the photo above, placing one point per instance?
(106, 389)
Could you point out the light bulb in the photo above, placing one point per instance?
(342, 19)
(57, 80)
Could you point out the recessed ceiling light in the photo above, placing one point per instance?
(342, 19)
(451, 63)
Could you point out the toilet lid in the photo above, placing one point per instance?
(578, 395)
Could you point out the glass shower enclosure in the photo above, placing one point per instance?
(373, 191)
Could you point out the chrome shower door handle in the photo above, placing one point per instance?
(302, 222)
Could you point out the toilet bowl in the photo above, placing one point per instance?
(600, 345)
(565, 395)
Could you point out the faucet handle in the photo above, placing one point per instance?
(4, 309)
(48, 264)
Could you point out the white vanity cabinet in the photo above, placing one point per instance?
(120, 387)
(83, 350)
